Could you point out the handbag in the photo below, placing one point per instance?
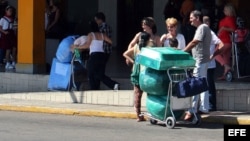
(191, 86)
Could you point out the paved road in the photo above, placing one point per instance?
(21, 126)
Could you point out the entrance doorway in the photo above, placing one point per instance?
(129, 16)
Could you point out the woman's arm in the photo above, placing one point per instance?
(3, 31)
(228, 29)
(228, 25)
(107, 39)
(129, 55)
(134, 41)
(163, 38)
(219, 49)
(85, 45)
(57, 16)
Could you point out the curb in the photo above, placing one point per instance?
(205, 118)
(227, 120)
(49, 110)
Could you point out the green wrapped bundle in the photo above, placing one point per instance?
(154, 81)
(156, 106)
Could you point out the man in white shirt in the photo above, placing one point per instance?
(216, 44)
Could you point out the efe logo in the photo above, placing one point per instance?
(237, 132)
(240, 132)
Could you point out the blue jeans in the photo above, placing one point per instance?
(200, 101)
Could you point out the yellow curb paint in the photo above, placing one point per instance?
(107, 114)
(37, 109)
(227, 120)
(67, 111)
(224, 120)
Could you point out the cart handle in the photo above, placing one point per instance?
(185, 69)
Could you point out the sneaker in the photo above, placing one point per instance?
(116, 87)
(14, 64)
(8, 66)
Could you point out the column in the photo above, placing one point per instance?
(31, 37)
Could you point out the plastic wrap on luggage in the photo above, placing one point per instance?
(162, 58)
(59, 78)
(156, 106)
(63, 53)
(154, 81)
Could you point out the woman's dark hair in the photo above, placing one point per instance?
(9, 7)
(144, 38)
(94, 26)
(100, 16)
(12, 8)
(149, 21)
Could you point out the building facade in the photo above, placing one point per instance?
(124, 16)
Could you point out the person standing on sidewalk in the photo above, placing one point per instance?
(96, 60)
(149, 26)
(216, 44)
(149, 29)
(8, 38)
(130, 55)
(227, 25)
(172, 26)
(200, 46)
(104, 28)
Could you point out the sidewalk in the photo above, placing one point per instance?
(38, 106)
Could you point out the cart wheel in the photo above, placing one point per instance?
(198, 120)
(229, 76)
(152, 121)
(170, 122)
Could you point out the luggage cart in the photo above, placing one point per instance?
(240, 57)
(174, 103)
(76, 59)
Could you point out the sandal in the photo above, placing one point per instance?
(141, 118)
(188, 116)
